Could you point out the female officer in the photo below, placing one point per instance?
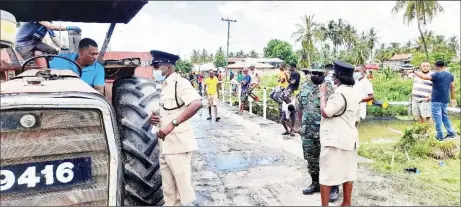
(338, 134)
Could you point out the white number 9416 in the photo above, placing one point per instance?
(63, 174)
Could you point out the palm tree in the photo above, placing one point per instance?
(220, 51)
(421, 11)
(383, 54)
(307, 34)
(195, 56)
(350, 36)
(453, 44)
(360, 53)
(372, 41)
(240, 54)
(204, 56)
(211, 58)
(253, 54)
(408, 47)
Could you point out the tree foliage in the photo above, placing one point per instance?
(201, 56)
(421, 11)
(220, 59)
(183, 66)
(280, 49)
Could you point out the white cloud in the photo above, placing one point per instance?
(180, 5)
(277, 19)
(257, 23)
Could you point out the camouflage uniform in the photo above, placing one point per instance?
(309, 103)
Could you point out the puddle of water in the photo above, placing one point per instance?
(241, 163)
(232, 163)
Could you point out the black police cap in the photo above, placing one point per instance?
(159, 57)
(342, 68)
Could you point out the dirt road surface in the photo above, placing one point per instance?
(242, 161)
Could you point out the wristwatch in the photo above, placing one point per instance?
(175, 122)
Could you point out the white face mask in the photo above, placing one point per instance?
(357, 75)
(329, 78)
(158, 75)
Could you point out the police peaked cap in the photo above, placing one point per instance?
(159, 57)
(342, 68)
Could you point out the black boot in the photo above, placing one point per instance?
(313, 188)
(334, 193)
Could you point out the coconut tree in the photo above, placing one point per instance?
(240, 54)
(350, 36)
(408, 47)
(421, 11)
(453, 44)
(204, 56)
(360, 52)
(195, 56)
(372, 41)
(306, 34)
(253, 54)
(383, 54)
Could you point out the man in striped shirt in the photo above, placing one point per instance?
(421, 95)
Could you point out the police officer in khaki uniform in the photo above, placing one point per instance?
(179, 102)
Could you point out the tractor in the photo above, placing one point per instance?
(62, 142)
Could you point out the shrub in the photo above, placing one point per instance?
(417, 141)
(389, 87)
(393, 110)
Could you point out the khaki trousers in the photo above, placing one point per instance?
(176, 179)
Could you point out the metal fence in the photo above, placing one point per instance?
(226, 94)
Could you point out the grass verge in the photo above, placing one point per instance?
(436, 183)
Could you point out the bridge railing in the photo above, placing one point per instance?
(227, 94)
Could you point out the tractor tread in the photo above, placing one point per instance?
(140, 148)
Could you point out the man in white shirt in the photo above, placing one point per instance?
(365, 89)
(288, 113)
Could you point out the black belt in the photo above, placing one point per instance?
(175, 97)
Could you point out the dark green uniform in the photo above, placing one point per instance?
(309, 103)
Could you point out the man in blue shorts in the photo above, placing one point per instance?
(443, 85)
(29, 39)
(92, 71)
(245, 85)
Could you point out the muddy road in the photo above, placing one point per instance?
(236, 165)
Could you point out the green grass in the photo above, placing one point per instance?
(435, 185)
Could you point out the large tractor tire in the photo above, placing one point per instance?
(133, 99)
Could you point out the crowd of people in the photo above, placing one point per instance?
(332, 102)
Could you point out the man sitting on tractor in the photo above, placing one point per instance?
(92, 72)
(30, 36)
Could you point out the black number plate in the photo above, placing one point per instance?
(45, 174)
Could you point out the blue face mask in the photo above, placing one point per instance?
(158, 75)
(329, 78)
(357, 75)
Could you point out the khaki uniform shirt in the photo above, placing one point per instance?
(341, 132)
(182, 138)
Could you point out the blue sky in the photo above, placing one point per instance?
(180, 27)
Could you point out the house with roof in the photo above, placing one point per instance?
(275, 62)
(398, 60)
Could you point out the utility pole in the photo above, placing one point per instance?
(228, 32)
